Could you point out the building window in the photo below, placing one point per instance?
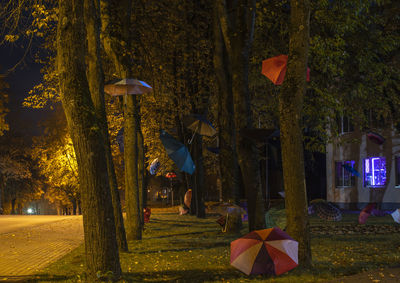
(344, 177)
(375, 172)
(397, 170)
(344, 124)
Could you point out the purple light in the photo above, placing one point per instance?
(376, 174)
(373, 171)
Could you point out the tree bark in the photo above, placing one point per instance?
(132, 199)
(290, 113)
(101, 250)
(237, 24)
(229, 168)
(116, 21)
(199, 176)
(96, 84)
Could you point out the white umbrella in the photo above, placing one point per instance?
(396, 215)
(127, 86)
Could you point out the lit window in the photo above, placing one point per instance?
(344, 177)
(375, 172)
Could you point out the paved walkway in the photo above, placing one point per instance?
(26, 251)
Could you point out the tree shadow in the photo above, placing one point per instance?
(35, 278)
(190, 275)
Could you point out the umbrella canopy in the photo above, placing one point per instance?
(376, 138)
(325, 210)
(268, 251)
(170, 175)
(275, 69)
(187, 200)
(365, 213)
(154, 166)
(127, 86)
(199, 124)
(177, 152)
(396, 215)
(351, 170)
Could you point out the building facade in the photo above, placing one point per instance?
(364, 167)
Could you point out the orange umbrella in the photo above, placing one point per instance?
(188, 198)
(275, 69)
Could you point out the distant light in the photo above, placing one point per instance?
(30, 210)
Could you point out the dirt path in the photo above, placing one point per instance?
(26, 251)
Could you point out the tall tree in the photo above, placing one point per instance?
(236, 19)
(229, 167)
(102, 257)
(116, 23)
(290, 114)
(96, 84)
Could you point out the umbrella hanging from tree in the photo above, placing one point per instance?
(154, 166)
(351, 170)
(269, 251)
(275, 69)
(177, 152)
(126, 86)
(200, 125)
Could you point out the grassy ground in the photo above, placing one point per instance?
(186, 249)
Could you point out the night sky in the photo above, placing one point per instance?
(21, 120)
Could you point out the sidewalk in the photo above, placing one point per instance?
(27, 251)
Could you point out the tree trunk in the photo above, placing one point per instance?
(237, 24)
(116, 22)
(229, 168)
(96, 83)
(134, 226)
(102, 257)
(141, 168)
(2, 186)
(290, 113)
(199, 177)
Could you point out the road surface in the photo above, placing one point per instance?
(30, 242)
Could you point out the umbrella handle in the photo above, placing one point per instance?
(191, 140)
(198, 128)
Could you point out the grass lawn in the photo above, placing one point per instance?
(186, 249)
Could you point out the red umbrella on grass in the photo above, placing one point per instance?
(269, 251)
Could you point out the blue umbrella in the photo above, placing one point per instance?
(351, 170)
(177, 152)
(154, 166)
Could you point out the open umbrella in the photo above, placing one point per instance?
(154, 166)
(325, 210)
(126, 86)
(275, 69)
(396, 215)
(177, 152)
(199, 124)
(351, 170)
(187, 200)
(376, 138)
(269, 251)
(365, 213)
